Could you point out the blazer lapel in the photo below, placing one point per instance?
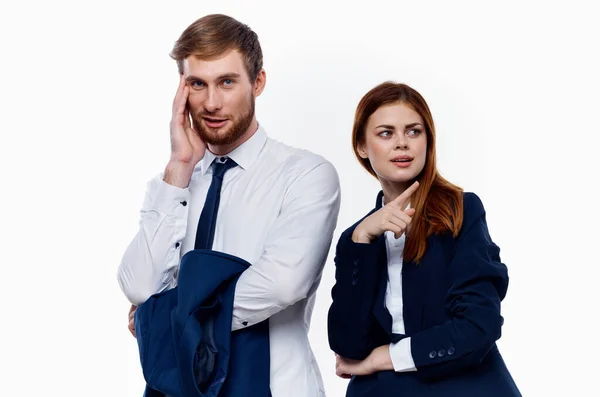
(380, 312)
(412, 290)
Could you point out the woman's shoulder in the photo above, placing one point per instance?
(473, 209)
(472, 204)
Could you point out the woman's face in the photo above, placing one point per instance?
(395, 142)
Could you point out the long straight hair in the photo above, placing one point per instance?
(438, 203)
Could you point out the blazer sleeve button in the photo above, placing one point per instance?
(441, 353)
(432, 354)
(451, 350)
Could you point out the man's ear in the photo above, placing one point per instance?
(260, 82)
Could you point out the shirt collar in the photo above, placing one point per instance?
(244, 155)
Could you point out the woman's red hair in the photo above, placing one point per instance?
(438, 203)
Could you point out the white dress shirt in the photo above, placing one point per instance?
(400, 352)
(278, 210)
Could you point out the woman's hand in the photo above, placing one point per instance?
(378, 360)
(393, 217)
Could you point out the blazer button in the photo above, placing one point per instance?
(432, 354)
(441, 353)
(451, 351)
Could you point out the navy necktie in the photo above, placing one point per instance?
(206, 225)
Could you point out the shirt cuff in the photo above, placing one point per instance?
(401, 356)
(169, 199)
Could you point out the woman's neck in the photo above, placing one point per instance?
(391, 190)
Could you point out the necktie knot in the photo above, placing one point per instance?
(221, 165)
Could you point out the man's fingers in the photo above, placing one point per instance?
(132, 328)
(179, 92)
(182, 101)
(132, 310)
(181, 97)
(131, 316)
(186, 119)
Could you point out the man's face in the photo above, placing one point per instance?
(221, 99)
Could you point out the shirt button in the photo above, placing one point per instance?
(432, 355)
(451, 351)
(245, 323)
(355, 271)
(176, 245)
(356, 262)
(355, 281)
(184, 203)
(441, 353)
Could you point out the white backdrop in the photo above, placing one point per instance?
(86, 89)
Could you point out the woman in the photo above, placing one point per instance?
(416, 304)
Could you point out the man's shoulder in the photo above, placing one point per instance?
(293, 159)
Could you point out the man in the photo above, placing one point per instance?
(278, 205)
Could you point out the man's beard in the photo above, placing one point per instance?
(235, 130)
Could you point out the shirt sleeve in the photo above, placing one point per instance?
(295, 250)
(401, 356)
(149, 263)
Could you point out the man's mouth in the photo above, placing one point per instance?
(213, 122)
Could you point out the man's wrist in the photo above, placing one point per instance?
(178, 173)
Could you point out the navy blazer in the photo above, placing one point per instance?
(184, 335)
(451, 312)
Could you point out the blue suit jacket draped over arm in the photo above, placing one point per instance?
(184, 335)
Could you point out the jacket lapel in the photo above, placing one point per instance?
(380, 312)
(412, 290)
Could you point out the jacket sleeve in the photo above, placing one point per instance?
(478, 283)
(350, 321)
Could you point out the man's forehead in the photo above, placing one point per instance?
(231, 62)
